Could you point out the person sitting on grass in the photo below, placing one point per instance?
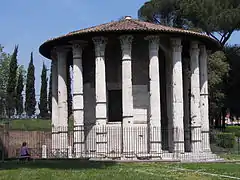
(24, 153)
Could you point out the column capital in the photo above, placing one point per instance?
(53, 54)
(194, 48)
(100, 45)
(153, 42)
(209, 52)
(126, 46)
(126, 41)
(202, 47)
(203, 50)
(176, 44)
(77, 48)
(62, 50)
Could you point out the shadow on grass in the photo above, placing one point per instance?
(56, 164)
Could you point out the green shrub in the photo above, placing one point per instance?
(225, 140)
(233, 129)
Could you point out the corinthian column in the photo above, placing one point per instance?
(177, 96)
(55, 124)
(101, 97)
(127, 97)
(100, 78)
(195, 97)
(204, 99)
(155, 109)
(62, 98)
(78, 101)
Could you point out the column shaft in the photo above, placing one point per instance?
(100, 80)
(177, 96)
(204, 99)
(195, 98)
(101, 94)
(155, 109)
(127, 97)
(62, 99)
(78, 100)
(55, 123)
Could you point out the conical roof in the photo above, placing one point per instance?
(127, 25)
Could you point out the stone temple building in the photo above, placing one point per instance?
(138, 90)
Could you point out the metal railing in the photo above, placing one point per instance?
(117, 142)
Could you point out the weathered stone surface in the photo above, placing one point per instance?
(127, 97)
(100, 80)
(62, 99)
(177, 96)
(195, 98)
(54, 104)
(204, 99)
(155, 99)
(139, 136)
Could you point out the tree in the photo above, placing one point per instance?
(4, 68)
(11, 83)
(50, 91)
(218, 68)
(217, 18)
(23, 71)
(30, 101)
(233, 83)
(43, 105)
(164, 12)
(19, 90)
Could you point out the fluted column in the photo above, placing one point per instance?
(204, 98)
(195, 97)
(101, 94)
(78, 100)
(62, 98)
(155, 109)
(177, 96)
(100, 80)
(127, 97)
(55, 124)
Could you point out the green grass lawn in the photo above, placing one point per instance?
(28, 124)
(75, 170)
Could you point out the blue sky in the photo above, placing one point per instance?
(29, 23)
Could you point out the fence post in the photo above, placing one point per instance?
(44, 151)
(69, 151)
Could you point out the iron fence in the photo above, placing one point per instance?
(117, 142)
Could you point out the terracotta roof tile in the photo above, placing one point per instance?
(131, 25)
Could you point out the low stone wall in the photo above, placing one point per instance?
(11, 141)
(110, 139)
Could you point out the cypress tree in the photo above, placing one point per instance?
(19, 97)
(50, 92)
(43, 105)
(11, 85)
(30, 102)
